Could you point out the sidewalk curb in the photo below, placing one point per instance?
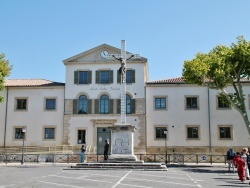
(187, 165)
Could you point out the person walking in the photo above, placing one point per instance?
(106, 149)
(235, 161)
(230, 156)
(83, 149)
(241, 165)
(244, 157)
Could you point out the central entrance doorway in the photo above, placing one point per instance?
(103, 133)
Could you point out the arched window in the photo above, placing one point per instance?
(82, 105)
(128, 104)
(104, 104)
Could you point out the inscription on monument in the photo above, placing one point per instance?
(123, 143)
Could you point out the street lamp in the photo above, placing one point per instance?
(23, 130)
(166, 132)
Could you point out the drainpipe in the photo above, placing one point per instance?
(209, 121)
(6, 115)
(64, 90)
(146, 140)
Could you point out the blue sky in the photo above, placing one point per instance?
(37, 35)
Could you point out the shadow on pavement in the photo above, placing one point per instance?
(202, 168)
(199, 170)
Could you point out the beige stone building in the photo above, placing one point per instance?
(92, 98)
(82, 110)
(196, 118)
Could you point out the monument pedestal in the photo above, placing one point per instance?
(122, 140)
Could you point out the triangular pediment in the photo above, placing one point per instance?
(94, 55)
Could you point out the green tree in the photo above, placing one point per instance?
(5, 69)
(223, 66)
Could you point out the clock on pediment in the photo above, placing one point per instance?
(104, 54)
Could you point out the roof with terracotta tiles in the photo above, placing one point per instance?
(180, 80)
(170, 80)
(31, 83)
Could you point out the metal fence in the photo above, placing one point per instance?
(75, 158)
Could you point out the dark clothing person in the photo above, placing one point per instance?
(230, 156)
(106, 149)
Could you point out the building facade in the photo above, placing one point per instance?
(82, 110)
(197, 119)
(36, 105)
(92, 98)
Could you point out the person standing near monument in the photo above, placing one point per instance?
(106, 149)
(83, 149)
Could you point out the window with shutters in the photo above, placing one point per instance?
(104, 104)
(82, 105)
(104, 76)
(82, 77)
(130, 76)
(130, 105)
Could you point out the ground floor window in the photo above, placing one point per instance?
(192, 132)
(81, 137)
(160, 132)
(19, 134)
(225, 132)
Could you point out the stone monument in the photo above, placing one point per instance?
(122, 139)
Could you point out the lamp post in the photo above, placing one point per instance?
(166, 132)
(23, 130)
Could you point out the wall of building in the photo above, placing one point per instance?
(92, 61)
(2, 116)
(91, 123)
(35, 118)
(176, 118)
(93, 90)
(146, 118)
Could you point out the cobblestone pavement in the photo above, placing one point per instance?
(49, 175)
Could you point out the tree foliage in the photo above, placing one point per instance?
(221, 67)
(5, 69)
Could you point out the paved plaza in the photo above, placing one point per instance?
(49, 175)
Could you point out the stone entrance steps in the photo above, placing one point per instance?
(135, 165)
